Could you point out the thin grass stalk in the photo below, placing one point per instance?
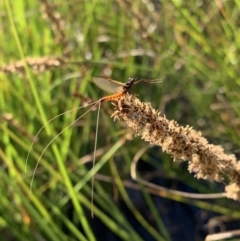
(36, 96)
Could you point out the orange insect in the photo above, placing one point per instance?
(117, 88)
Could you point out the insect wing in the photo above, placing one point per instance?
(108, 85)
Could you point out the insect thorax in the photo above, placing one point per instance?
(128, 85)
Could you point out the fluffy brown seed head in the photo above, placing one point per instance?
(181, 142)
(37, 64)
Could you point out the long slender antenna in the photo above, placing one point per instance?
(35, 169)
(94, 155)
(154, 81)
(66, 112)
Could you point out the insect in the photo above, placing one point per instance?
(118, 89)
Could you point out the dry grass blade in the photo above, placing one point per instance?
(12, 121)
(57, 23)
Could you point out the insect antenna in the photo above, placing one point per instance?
(94, 155)
(35, 169)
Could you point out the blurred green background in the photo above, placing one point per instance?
(50, 52)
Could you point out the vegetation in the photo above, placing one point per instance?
(51, 50)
